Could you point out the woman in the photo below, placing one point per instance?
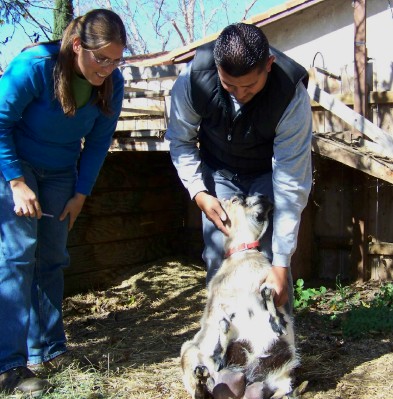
(51, 96)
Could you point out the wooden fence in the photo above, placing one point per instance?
(135, 215)
(139, 211)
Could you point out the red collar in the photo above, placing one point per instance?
(241, 247)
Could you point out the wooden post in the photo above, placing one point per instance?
(360, 58)
(360, 208)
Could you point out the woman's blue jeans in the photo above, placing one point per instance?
(32, 257)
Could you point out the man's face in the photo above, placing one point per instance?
(244, 88)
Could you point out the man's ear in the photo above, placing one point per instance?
(270, 61)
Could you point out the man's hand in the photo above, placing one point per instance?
(73, 208)
(212, 208)
(25, 200)
(278, 279)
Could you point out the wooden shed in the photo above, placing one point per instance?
(139, 210)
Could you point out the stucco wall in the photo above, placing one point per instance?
(326, 32)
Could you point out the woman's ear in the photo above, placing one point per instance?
(76, 45)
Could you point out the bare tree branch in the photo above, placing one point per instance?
(179, 32)
(17, 12)
(248, 8)
(152, 25)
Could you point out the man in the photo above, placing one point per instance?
(241, 122)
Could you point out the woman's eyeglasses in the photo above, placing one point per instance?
(104, 62)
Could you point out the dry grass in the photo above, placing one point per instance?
(126, 342)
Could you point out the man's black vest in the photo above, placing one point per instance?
(243, 144)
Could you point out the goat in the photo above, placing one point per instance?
(245, 348)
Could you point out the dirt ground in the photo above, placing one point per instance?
(132, 332)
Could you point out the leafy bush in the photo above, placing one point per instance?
(385, 297)
(304, 298)
(361, 321)
(355, 317)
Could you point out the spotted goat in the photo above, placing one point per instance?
(245, 347)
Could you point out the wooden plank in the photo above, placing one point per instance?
(147, 94)
(384, 229)
(360, 58)
(137, 112)
(381, 268)
(105, 229)
(336, 242)
(381, 97)
(95, 266)
(76, 282)
(302, 262)
(124, 202)
(381, 248)
(352, 158)
(333, 263)
(92, 258)
(374, 98)
(354, 119)
(346, 138)
(131, 144)
(381, 211)
(133, 171)
(136, 74)
(332, 199)
(194, 246)
(360, 229)
(141, 124)
(133, 89)
(151, 133)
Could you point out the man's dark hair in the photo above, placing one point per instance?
(240, 48)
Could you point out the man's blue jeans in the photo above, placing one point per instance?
(223, 188)
(32, 257)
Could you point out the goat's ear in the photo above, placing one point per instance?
(238, 199)
(260, 216)
(267, 204)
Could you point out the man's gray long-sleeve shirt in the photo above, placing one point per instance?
(291, 163)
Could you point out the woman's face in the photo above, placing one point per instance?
(96, 65)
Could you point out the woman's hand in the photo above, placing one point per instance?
(25, 200)
(73, 208)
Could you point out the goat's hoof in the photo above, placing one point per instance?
(266, 292)
(201, 373)
(201, 391)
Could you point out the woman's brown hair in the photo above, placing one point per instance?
(96, 29)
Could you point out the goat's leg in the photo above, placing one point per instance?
(201, 389)
(201, 358)
(196, 375)
(224, 339)
(277, 320)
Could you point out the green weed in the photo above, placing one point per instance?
(355, 317)
(305, 297)
(344, 298)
